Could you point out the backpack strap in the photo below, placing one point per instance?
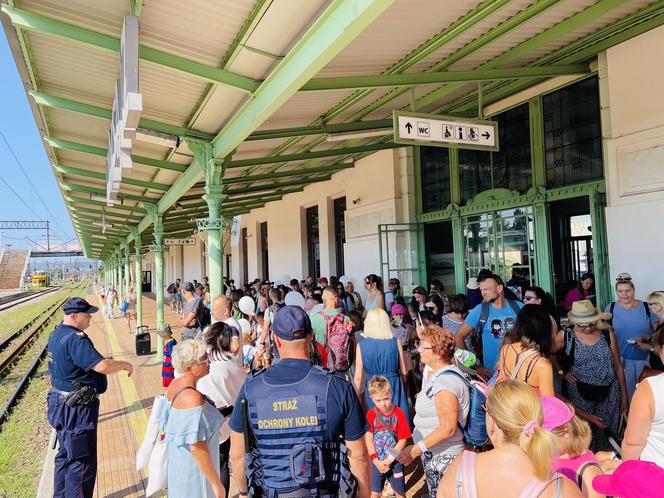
(386, 424)
(611, 308)
(484, 316)
(514, 306)
(645, 305)
(521, 359)
(582, 469)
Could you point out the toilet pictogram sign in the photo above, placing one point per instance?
(445, 131)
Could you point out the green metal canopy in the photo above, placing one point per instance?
(282, 97)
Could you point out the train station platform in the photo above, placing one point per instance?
(125, 408)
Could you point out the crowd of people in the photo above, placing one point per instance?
(306, 388)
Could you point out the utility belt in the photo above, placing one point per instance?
(84, 395)
(301, 493)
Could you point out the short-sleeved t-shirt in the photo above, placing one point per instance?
(190, 307)
(71, 357)
(499, 322)
(345, 416)
(319, 324)
(397, 422)
(235, 325)
(426, 419)
(630, 323)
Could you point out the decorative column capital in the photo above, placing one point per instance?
(213, 224)
(157, 248)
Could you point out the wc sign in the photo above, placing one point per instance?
(445, 131)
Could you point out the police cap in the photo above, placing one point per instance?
(78, 305)
(291, 323)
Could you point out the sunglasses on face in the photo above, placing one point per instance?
(529, 298)
(586, 325)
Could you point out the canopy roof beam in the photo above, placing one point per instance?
(102, 152)
(410, 80)
(68, 170)
(52, 27)
(337, 26)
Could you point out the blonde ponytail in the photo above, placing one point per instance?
(517, 411)
(539, 447)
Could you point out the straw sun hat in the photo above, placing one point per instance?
(584, 312)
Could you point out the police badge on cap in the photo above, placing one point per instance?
(78, 305)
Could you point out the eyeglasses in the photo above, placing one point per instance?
(586, 325)
(484, 408)
(529, 298)
(425, 348)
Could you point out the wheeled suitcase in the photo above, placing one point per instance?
(143, 342)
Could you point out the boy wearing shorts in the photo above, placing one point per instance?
(388, 434)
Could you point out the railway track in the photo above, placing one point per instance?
(19, 342)
(23, 297)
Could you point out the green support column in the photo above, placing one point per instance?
(138, 283)
(118, 273)
(421, 243)
(460, 275)
(158, 249)
(543, 256)
(214, 223)
(603, 287)
(127, 269)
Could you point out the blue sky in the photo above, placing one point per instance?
(18, 126)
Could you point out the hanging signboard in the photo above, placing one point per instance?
(235, 230)
(180, 242)
(127, 107)
(445, 131)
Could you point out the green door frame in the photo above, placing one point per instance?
(538, 196)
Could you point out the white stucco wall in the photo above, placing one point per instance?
(631, 83)
(379, 189)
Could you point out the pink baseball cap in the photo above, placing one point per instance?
(556, 412)
(632, 479)
(398, 309)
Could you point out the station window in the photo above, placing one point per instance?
(435, 172)
(265, 258)
(512, 167)
(572, 134)
(509, 168)
(313, 242)
(339, 233)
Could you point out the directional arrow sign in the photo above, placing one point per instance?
(445, 131)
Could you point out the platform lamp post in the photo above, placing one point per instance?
(214, 224)
(138, 280)
(158, 250)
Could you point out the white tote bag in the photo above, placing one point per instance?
(158, 467)
(151, 433)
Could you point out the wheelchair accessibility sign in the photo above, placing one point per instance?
(445, 131)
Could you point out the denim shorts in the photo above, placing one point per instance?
(394, 475)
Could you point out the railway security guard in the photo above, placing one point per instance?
(307, 423)
(78, 375)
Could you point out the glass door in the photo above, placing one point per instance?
(502, 241)
(398, 246)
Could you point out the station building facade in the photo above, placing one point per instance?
(577, 186)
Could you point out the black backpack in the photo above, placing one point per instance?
(203, 316)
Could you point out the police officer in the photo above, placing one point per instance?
(307, 423)
(78, 375)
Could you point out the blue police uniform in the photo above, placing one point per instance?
(298, 413)
(71, 357)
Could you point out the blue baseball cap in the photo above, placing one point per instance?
(78, 305)
(291, 323)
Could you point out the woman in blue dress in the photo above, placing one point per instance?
(379, 353)
(191, 424)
